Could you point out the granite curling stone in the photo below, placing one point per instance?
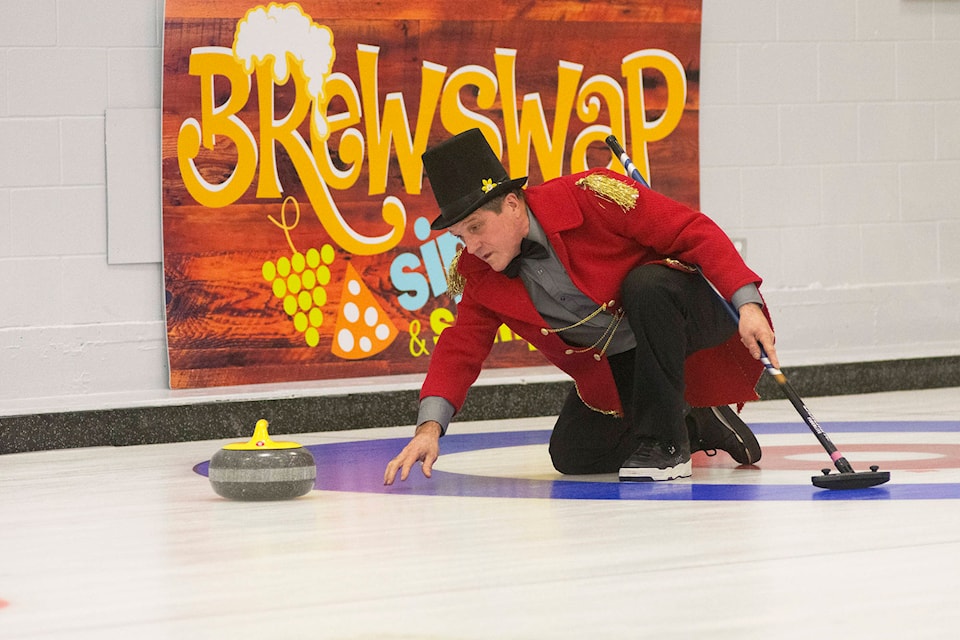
(262, 469)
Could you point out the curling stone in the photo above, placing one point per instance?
(262, 469)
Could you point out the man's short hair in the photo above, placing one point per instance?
(496, 204)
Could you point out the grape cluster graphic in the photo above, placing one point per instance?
(300, 281)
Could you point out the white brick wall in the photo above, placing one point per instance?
(830, 143)
(830, 132)
(28, 24)
(73, 329)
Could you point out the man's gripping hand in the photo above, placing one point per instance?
(755, 331)
(423, 447)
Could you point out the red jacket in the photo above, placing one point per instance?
(598, 243)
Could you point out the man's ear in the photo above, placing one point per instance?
(513, 201)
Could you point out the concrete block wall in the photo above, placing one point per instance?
(72, 326)
(830, 145)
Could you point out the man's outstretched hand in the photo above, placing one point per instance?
(424, 447)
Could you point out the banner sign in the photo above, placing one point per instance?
(296, 216)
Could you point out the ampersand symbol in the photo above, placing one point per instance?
(418, 346)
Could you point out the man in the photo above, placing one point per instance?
(597, 273)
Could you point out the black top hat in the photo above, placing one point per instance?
(465, 173)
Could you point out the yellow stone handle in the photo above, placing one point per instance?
(260, 440)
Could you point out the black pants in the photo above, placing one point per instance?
(672, 314)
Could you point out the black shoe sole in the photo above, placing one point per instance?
(733, 424)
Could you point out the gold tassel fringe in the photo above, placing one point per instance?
(610, 189)
(455, 280)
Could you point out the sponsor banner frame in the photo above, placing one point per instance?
(296, 237)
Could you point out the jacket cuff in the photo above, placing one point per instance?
(437, 409)
(746, 294)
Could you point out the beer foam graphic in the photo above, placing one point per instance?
(278, 31)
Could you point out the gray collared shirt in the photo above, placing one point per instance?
(562, 305)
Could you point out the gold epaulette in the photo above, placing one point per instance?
(455, 279)
(619, 193)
